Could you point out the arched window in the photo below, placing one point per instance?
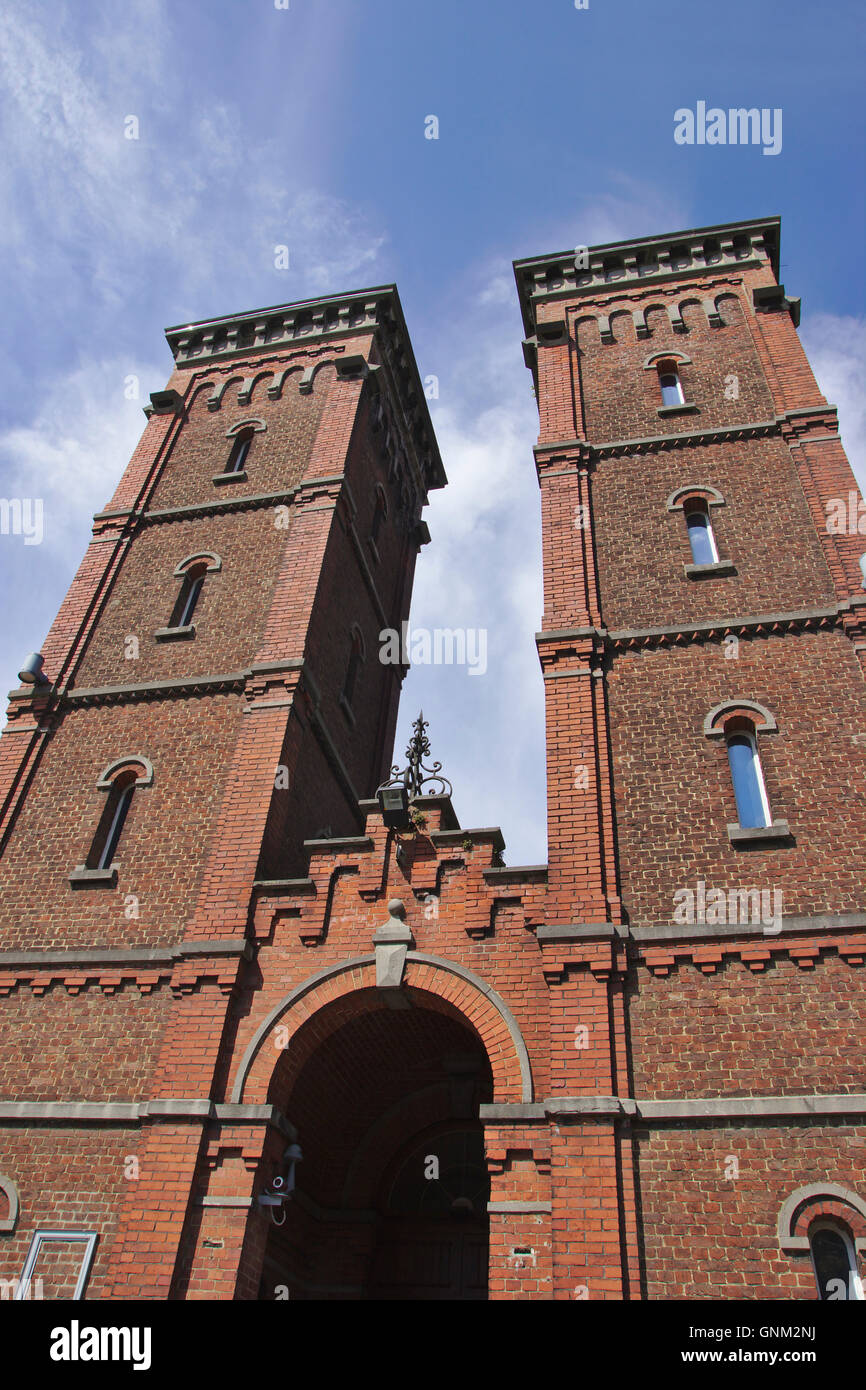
(700, 528)
(753, 809)
(670, 385)
(119, 780)
(238, 456)
(380, 511)
(191, 572)
(112, 820)
(356, 656)
(188, 597)
(834, 1263)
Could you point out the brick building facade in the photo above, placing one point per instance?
(632, 1072)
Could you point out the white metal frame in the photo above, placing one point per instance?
(86, 1238)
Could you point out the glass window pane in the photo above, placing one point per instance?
(671, 390)
(832, 1264)
(701, 538)
(746, 777)
(120, 810)
(237, 461)
(191, 600)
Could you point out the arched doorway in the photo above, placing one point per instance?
(391, 1195)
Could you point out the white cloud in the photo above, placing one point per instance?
(70, 458)
(836, 347)
(193, 212)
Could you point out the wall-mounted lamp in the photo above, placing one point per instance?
(31, 672)
(282, 1184)
(394, 805)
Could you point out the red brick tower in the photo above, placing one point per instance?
(211, 698)
(703, 654)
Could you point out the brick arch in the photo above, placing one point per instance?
(622, 326)
(197, 390)
(219, 392)
(587, 331)
(266, 375)
(692, 320)
(729, 308)
(657, 317)
(821, 1200)
(279, 379)
(443, 982)
(307, 381)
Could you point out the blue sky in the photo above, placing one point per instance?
(305, 127)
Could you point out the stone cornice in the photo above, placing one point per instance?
(78, 957)
(744, 1109)
(752, 624)
(617, 448)
(702, 931)
(219, 507)
(755, 946)
(325, 319)
(206, 683)
(157, 690)
(216, 506)
(645, 262)
(194, 1111)
(792, 426)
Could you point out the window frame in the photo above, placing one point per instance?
(187, 600)
(855, 1283)
(357, 655)
(699, 507)
(742, 730)
(86, 1238)
(120, 780)
(669, 369)
(111, 823)
(239, 452)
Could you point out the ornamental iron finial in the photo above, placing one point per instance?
(416, 775)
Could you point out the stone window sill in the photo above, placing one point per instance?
(220, 478)
(741, 835)
(713, 571)
(174, 634)
(684, 409)
(82, 877)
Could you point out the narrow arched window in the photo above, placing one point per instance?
(747, 776)
(239, 450)
(834, 1263)
(700, 528)
(669, 382)
(112, 820)
(356, 656)
(188, 597)
(380, 511)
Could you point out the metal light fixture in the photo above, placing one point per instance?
(394, 805)
(31, 672)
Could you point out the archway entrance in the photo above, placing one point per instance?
(391, 1195)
